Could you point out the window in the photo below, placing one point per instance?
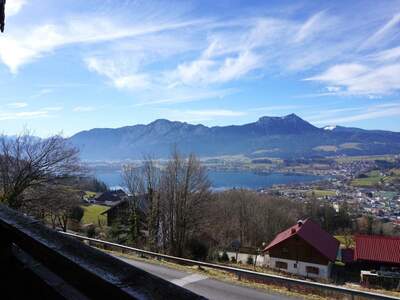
(312, 270)
(281, 265)
(295, 266)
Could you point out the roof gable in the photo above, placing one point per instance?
(311, 233)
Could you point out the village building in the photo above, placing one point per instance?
(378, 259)
(304, 249)
(120, 211)
(111, 197)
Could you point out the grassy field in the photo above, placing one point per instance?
(375, 178)
(364, 157)
(93, 214)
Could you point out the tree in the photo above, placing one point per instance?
(184, 188)
(52, 202)
(133, 180)
(152, 185)
(27, 162)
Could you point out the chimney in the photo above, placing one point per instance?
(300, 223)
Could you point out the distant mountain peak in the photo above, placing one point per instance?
(291, 124)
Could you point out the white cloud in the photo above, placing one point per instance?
(13, 7)
(23, 115)
(120, 76)
(83, 108)
(186, 95)
(387, 55)
(356, 79)
(361, 114)
(340, 73)
(390, 29)
(312, 26)
(18, 104)
(24, 45)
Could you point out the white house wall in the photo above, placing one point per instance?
(324, 270)
(242, 257)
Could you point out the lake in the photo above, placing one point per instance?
(221, 180)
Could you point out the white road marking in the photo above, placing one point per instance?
(188, 279)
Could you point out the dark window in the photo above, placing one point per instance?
(281, 265)
(312, 270)
(295, 266)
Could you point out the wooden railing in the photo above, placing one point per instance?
(65, 268)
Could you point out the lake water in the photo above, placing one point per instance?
(221, 180)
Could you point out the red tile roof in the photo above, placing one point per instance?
(313, 234)
(377, 248)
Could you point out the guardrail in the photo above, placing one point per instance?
(35, 259)
(288, 282)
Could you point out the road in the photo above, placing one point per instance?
(204, 286)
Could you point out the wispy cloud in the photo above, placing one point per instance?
(18, 104)
(83, 108)
(119, 73)
(186, 95)
(21, 46)
(357, 79)
(391, 28)
(202, 115)
(359, 114)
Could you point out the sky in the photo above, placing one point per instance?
(72, 65)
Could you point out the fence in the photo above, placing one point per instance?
(285, 281)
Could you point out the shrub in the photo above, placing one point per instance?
(198, 250)
(250, 260)
(224, 257)
(76, 213)
(233, 259)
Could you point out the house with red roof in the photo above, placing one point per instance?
(377, 251)
(304, 249)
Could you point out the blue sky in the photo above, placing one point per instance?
(71, 65)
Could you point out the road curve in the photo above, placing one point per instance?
(204, 286)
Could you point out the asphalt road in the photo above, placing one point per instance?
(207, 287)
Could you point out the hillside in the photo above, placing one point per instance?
(288, 136)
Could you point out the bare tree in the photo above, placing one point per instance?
(152, 190)
(184, 187)
(27, 161)
(52, 202)
(133, 179)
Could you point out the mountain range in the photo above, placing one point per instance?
(285, 137)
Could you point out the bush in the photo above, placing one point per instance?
(90, 231)
(224, 257)
(198, 250)
(250, 260)
(76, 213)
(233, 260)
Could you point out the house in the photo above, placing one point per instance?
(304, 249)
(378, 259)
(120, 211)
(111, 197)
(377, 252)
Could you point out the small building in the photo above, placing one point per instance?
(377, 252)
(304, 249)
(111, 197)
(120, 211)
(378, 259)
